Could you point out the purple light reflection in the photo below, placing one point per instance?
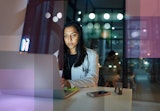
(17, 79)
(142, 27)
(16, 103)
(25, 103)
(146, 44)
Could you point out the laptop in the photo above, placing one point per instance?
(31, 75)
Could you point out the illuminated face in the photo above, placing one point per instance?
(71, 37)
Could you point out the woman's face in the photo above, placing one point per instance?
(71, 37)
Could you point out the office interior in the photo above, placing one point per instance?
(127, 27)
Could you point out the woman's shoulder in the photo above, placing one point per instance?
(91, 51)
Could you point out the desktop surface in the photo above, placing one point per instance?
(79, 101)
(83, 102)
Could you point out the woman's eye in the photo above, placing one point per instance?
(73, 35)
(65, 35)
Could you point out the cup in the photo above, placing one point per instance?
(118, 88)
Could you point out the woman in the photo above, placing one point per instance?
(80, 63)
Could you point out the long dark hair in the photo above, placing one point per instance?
(81, 50)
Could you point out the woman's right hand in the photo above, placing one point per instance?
(65, 83)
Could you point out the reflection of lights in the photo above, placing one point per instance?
(109, 66)
(106, 16)
(97, 26)
(59, 15)
(144, 30)
(79, 12)
(47, 15)
(135, 34)
(119, 16)
(146, 63)
(113, 28)
(92, 16)
(148, 54)
(25, 44)
(116, 53)
(55, 19)
(89, 25)
(107, 26)
(114, 66)
(105, 34)
(79, 19)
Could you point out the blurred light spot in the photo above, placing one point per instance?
(55, 19)
(106, 16)
(90, 25)
(47, 15)
(78, 19)
(97, 26)
(79, 12)
(119, 16)
(59, 15)
(92, 15)
(107, 26)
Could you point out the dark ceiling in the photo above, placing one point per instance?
(99, 5)
(108, 3)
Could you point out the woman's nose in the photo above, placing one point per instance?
(69, 38)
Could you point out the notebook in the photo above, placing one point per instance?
(31, 75)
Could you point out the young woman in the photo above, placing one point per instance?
(80, 63)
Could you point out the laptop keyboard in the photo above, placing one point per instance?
(70, 90)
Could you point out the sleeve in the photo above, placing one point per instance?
(90, 78)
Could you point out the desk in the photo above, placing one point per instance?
(78, 102)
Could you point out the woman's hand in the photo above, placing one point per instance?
(65, 83)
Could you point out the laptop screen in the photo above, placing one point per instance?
(29, 73)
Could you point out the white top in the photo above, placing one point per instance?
(87, 74)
